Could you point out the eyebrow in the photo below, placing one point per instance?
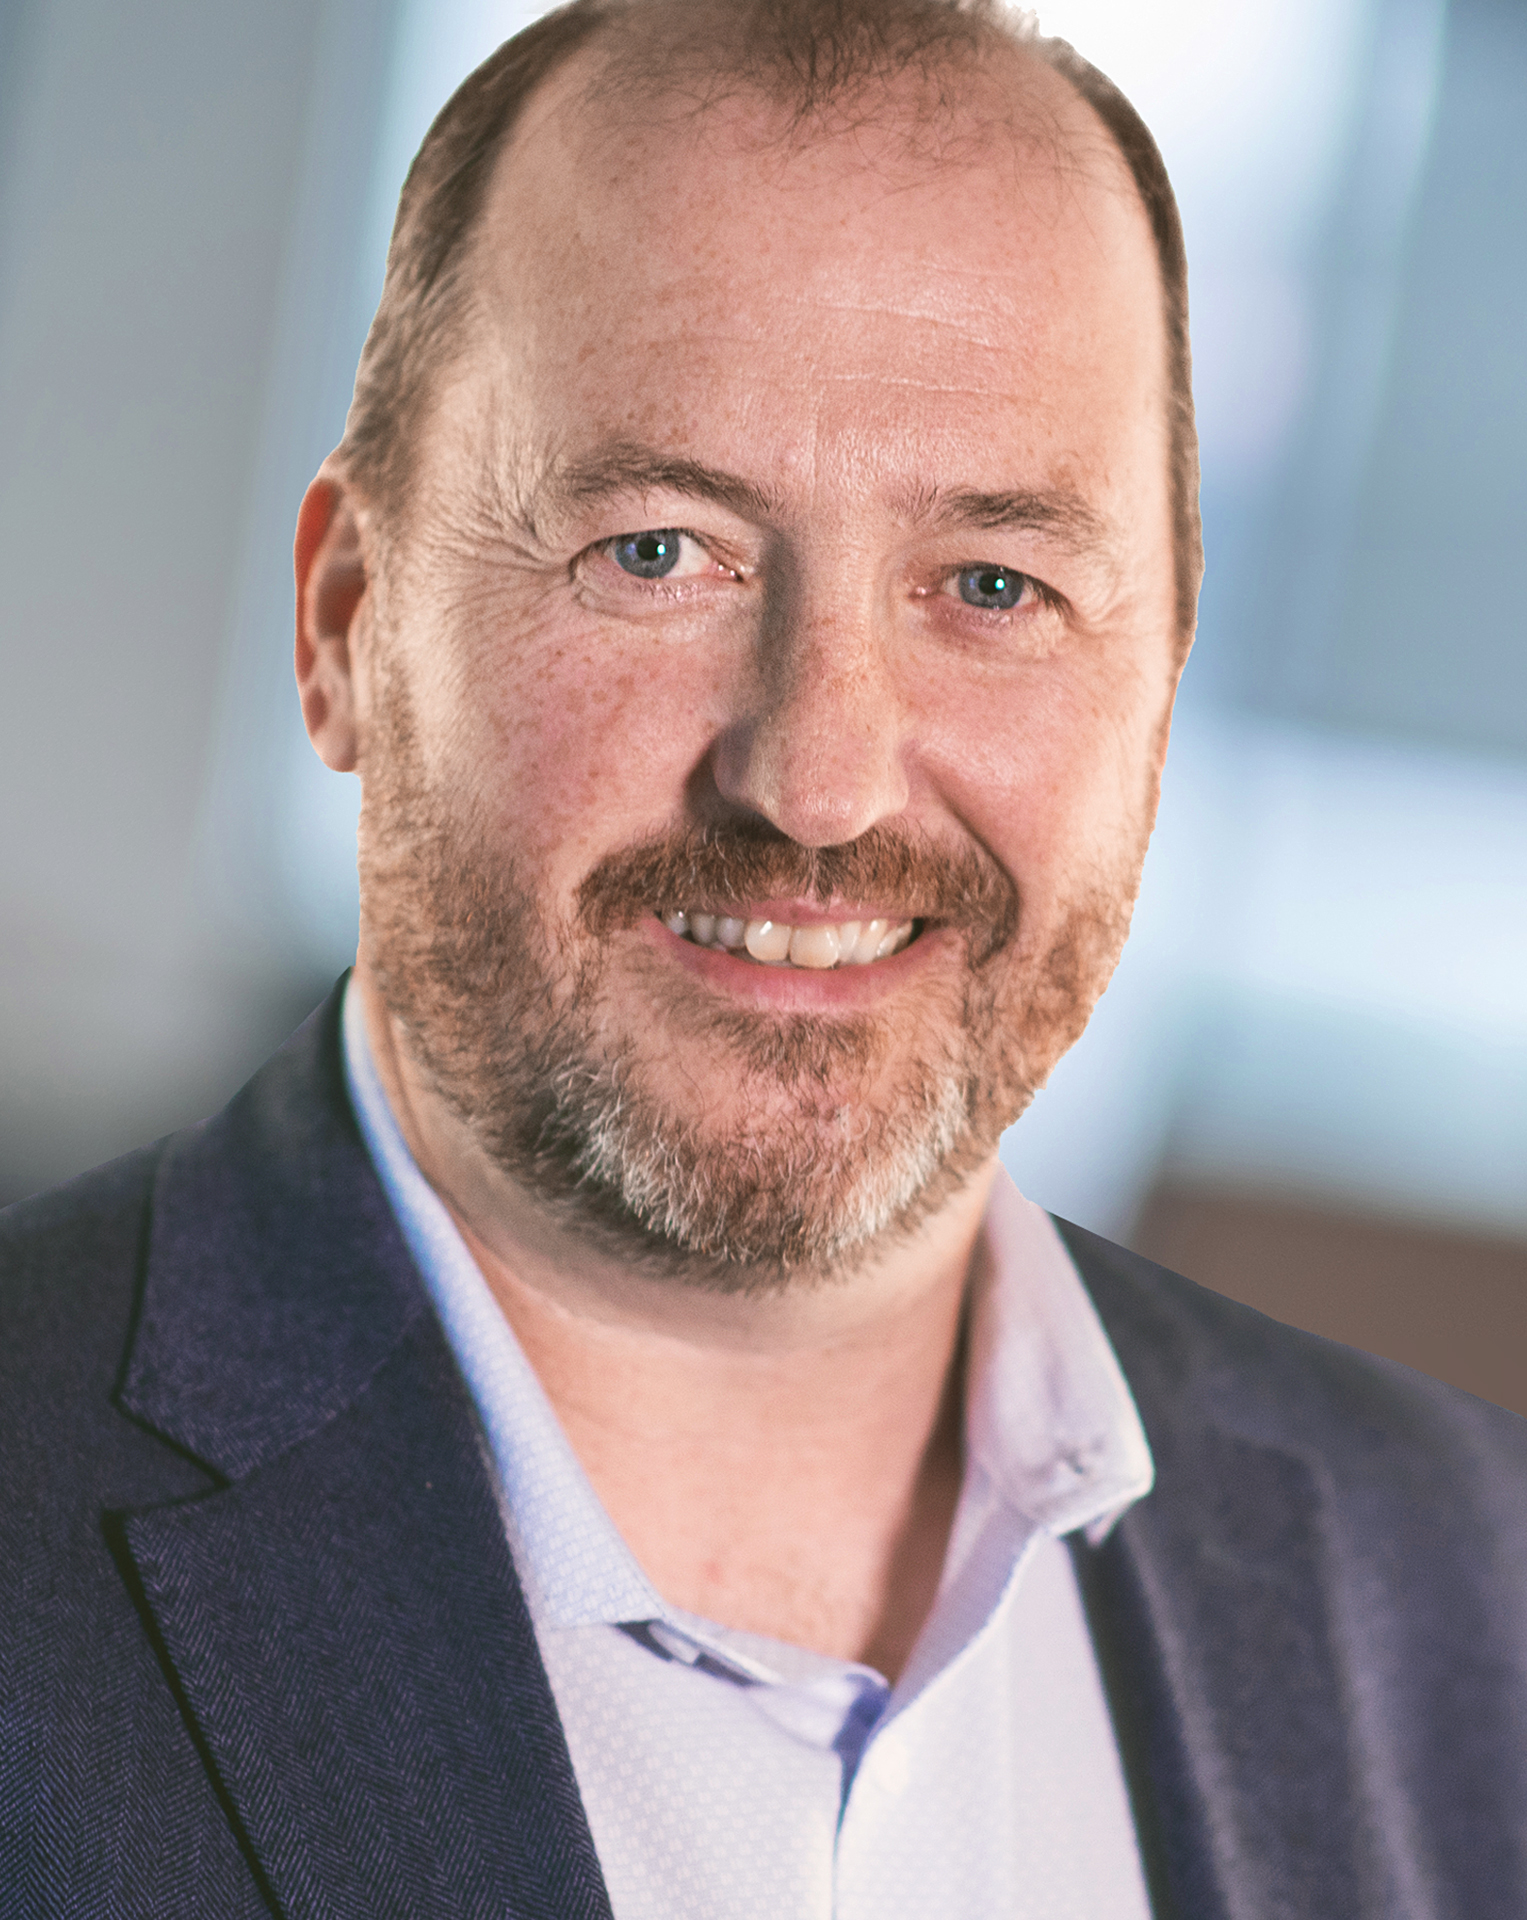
(627, 467)
(1058, 512)
(623, 467)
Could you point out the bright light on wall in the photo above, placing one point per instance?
(1249, 100)
(1251, 103)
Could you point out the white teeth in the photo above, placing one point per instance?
(814, 947)
(767, 940)
(850, 943)
(867, 942)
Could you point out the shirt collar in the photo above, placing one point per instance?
(1050, 1418)
(574, 1566)
(1054, 1442)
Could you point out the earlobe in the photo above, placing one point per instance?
(329, 562)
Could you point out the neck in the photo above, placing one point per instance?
(784, 1461)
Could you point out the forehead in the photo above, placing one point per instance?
(649, 269)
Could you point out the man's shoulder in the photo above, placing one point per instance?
(70, 1261)
(75, 1260)
(1200, 1363)
(1314, 1623)
(71, 1268)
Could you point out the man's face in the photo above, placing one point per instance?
(789, 549)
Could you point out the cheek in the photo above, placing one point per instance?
(582, 743)
(1051, 772)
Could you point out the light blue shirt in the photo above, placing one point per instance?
(730, 1777)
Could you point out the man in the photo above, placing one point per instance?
(590, 1429)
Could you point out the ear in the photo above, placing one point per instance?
(330, 565)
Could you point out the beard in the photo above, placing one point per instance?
(548, 1035)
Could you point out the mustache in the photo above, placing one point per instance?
(715, 868)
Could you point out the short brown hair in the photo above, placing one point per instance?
(809, 52)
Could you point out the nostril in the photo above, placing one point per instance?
(819, 784)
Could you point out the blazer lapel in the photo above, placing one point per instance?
(349, 1641)
(1210, 1605)
(341, 1615)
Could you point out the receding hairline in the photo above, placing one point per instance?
(597, 108)
(609, 97)
(689, 56)
(693, 62)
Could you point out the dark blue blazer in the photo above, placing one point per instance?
(262, 1648)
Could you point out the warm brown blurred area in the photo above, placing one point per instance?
(1447, 1302)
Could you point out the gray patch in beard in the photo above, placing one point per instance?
(504, 1030)
(741, 1212)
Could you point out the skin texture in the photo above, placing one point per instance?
(913, 345)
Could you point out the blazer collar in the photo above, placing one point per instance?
(276, 1279)
(340, 1616)
(1212, 1610)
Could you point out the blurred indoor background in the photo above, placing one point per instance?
(1308, 1084)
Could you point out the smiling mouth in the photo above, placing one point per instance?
(771, 943)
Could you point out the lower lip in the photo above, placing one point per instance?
(803, 989)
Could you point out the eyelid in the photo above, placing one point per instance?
(640, 533)
(949, 575)
(606, 549)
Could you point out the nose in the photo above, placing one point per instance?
(818, 749)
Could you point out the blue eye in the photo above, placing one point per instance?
(648, 555)
(994, 588)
